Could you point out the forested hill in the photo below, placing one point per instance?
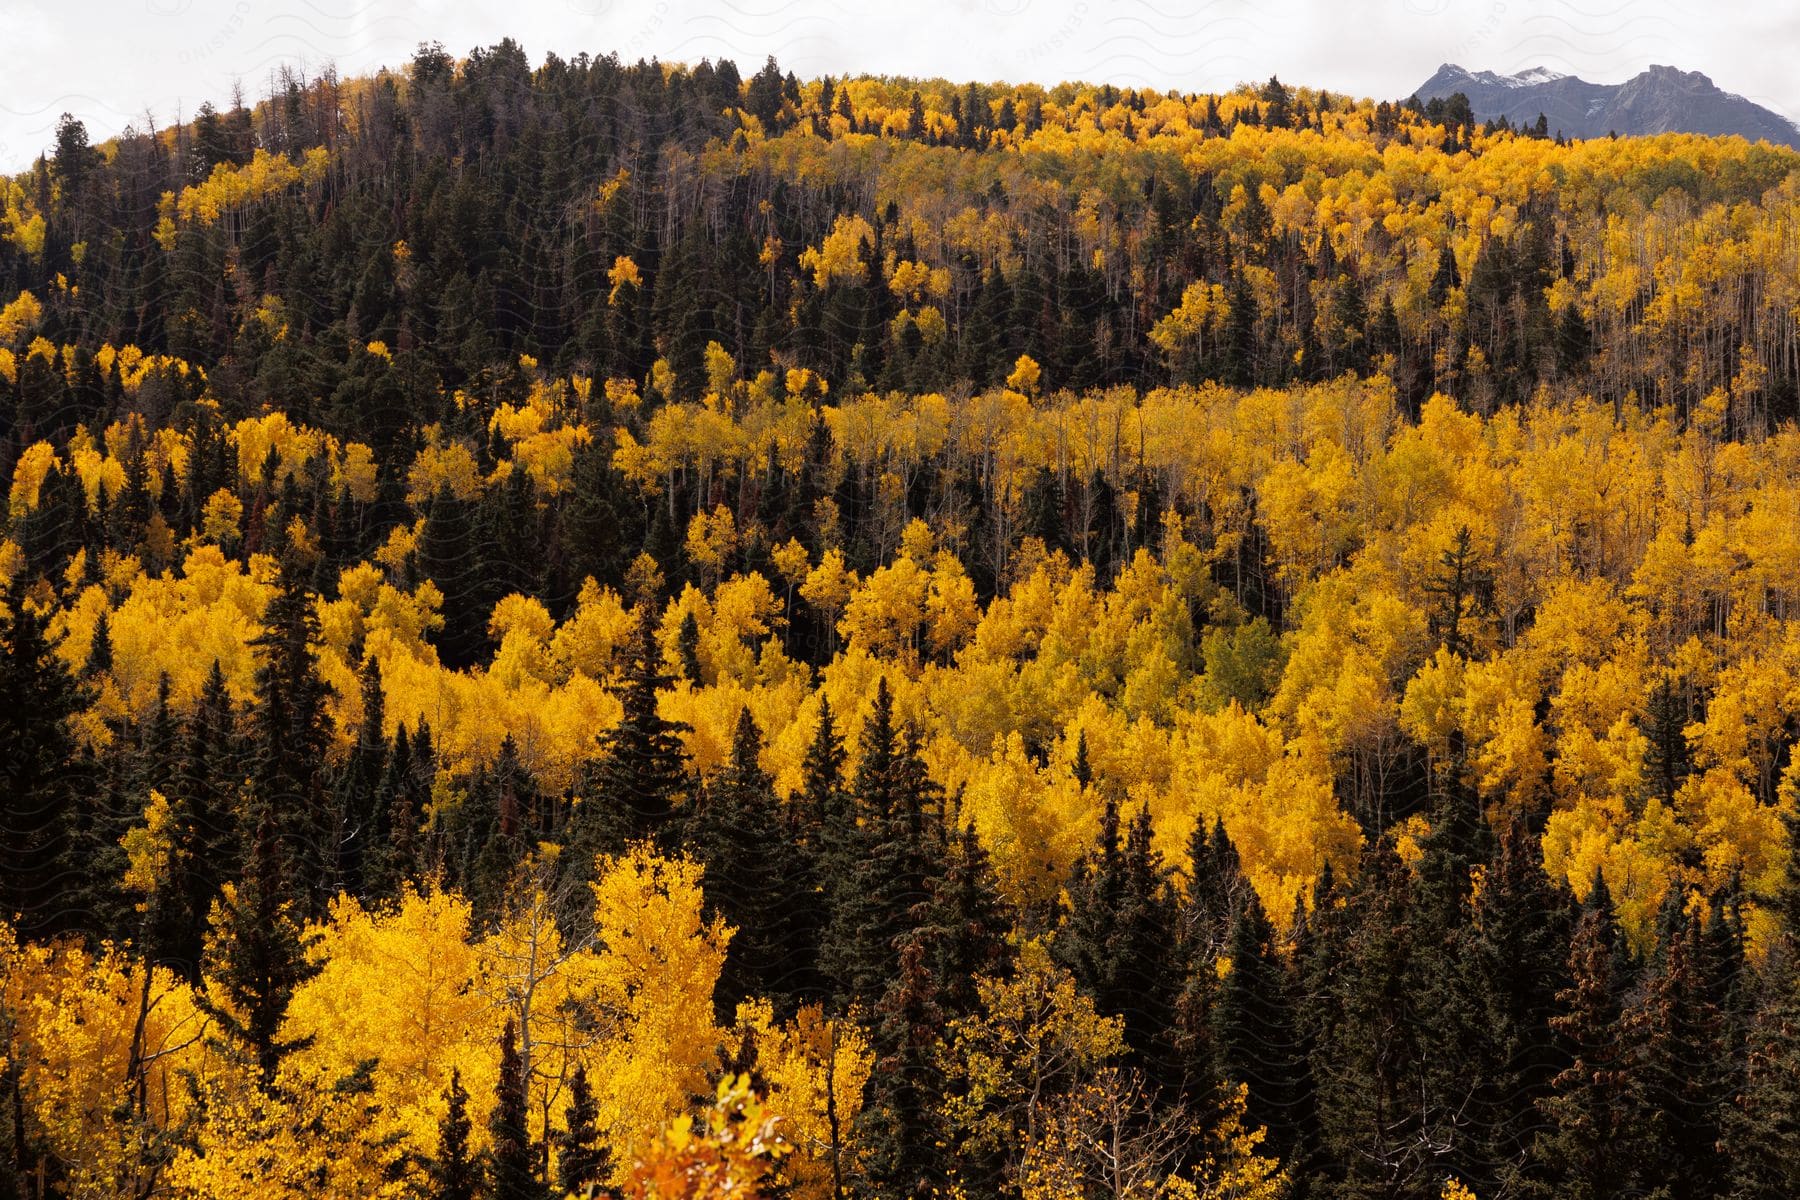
(883, 233)
(623, 630)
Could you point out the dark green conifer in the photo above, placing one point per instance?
(513, 1159)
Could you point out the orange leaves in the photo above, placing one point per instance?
(730, 1153)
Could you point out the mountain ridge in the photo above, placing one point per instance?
(1659, 99)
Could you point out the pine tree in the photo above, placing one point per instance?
(1216, 893)
(454, 1172)
(512, 1162)
(965, 924)
(876, 898)
(1449, 997)
(641, 774)
(1516, 959)
(399, 804)
(290, 738)
(1666, 758)
(581, 1158)
(42, 808)
(823, 829)
(488, 835)
(1586, 1149)
(1255, 1033)
(1121, 940)
(1574, 340)
(207, 775)
(900, 1123)
(254, 952)
(360, 822)
(1678, 1069)
(1761, 1134)
(739, 833)
(1377, 1121)
(449, 555)
(1239, 366)
(687, 642)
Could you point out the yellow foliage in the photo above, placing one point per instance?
(19, 317)
(840, 257)
(654, 977)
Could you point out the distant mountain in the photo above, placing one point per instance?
(1660, 100)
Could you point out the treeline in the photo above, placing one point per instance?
(891, 235)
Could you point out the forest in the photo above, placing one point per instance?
(636, 631)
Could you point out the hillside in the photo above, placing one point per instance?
(629, 629)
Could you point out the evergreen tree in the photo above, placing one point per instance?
(512, 1161)
(1121, 940)
(1239, 367)
(399, 802)
(1378, 1121)
(1574, 341)
(207, 775)
(254, 952)
(1587, 1150)
(1216, 893)
(740, 836)
(1678, 1072)
(290, 738)
(901, 1125)
(965, 924)
(454, 1172)
(450, 556)
(42, 809)
(1517, 962)
(876, 899)
(641, 774)
(824, 831)
(1255, 1032)
(360, 821)
(582, 1158)
(1761, 1134)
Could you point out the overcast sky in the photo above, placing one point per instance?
(112, 61)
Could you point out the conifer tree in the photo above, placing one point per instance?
(207, 775)
(254, 951)
(1761, 1127)
(41, 802)
(878, 892)
(582, 1158)
(1254, 1028)
(359, 820)
(1377, 1120)
(1586, 1149)
(1517, 962)
(454, 1172)
(965, 924)
(290, 739)
(1121, 940)
(398, 805)
(901, 1120)
(738, 832)
(823, 829)
(512, 1162)
(449, 557)
(1678, 1072)
(641, 774)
